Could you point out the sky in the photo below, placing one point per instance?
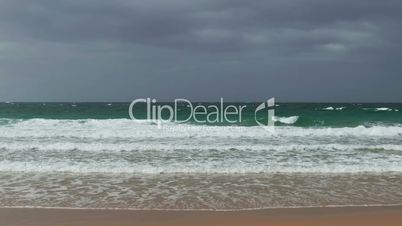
(293, 50)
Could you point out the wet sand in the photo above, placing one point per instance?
(391, 215)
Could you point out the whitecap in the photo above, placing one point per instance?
(383, 109)
(286, 120)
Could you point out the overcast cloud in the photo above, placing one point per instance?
(299, 50)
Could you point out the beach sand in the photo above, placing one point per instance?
(391, 215)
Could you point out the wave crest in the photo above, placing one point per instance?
(286, 120)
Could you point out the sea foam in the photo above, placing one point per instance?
(122, 145)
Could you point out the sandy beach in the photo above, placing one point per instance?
(391, 215)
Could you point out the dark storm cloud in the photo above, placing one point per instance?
(120, 49)
(198, 24)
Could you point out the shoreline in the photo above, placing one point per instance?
(204, 210)
(373, 215)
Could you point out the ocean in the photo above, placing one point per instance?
(92, 155)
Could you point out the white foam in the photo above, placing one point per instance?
(122, 145)
(286, 120)
(383, 109)
(379, 109)
(332, 108)
(204, 146)
(219, 167)
(125, 128)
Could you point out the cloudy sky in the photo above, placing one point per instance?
(295, 50)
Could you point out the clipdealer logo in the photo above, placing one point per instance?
(202, 113)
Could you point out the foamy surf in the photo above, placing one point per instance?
(333, 108)
(383, 109)
(125, 128)
(125, 146)
(286, 120)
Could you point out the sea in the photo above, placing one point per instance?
(93, 156)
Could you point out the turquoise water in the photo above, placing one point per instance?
(308, 114)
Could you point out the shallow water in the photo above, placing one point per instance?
(198, 191)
